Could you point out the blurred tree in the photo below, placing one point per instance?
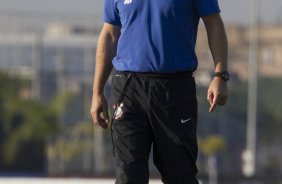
(24, 126)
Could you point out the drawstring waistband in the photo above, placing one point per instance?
(173, 75)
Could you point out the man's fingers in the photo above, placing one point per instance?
(219, 99)
(105, 113)
(210, 97)
(96, 118)
(99, 111)
(212, 107)
(106, 117)
(214, 102)
(217, 93)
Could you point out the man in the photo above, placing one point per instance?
(151, 45)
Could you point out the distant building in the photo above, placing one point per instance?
(58, 50)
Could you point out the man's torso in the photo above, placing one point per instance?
(156, 35)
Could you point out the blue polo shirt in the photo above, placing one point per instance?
(157, 35)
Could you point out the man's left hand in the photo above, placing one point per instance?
(217, 93)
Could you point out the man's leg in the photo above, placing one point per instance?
(132, 136)
(132, 148)
(173, 118)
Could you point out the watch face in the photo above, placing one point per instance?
(225, 76)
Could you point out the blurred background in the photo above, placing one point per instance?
(47, 62)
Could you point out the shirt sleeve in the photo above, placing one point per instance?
(206, 7)
(111, 14)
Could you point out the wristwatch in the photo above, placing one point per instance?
(223, 75)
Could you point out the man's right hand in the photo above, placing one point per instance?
(99, 111)
(106, 51)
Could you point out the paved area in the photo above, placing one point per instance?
(61, 181)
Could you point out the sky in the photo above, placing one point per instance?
(233, 11)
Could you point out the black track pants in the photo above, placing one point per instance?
(155, 109)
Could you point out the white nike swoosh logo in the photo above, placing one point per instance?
(185, 120)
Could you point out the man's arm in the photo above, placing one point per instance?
(217, 92)
(106, 51)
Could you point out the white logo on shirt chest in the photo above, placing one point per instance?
(127, 1)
